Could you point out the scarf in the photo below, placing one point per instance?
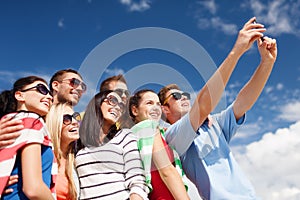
(145, 131)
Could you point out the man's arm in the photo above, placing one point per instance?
(9, 130)
(211, 93)
(253, 88)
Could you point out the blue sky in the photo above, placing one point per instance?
(41, 37)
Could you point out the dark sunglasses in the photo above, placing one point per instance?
(113, 101)
(67, 118)
(120, 92)
(177, 96)
(41, 88)
(74, 82)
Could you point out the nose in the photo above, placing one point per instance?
(75, 123)
(156, 107)
(183, 97)
(79, 88)
(124, 98)
(118, 107)
(50, 97)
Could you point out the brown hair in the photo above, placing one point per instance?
(135, 100)
(58, 75)
(105, 84)
(163, 91)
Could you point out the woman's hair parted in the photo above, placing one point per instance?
(135, 100)
(92, 122)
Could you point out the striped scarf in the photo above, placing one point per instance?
(145, 131)
(34, 131)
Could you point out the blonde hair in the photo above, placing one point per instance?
(54, 123)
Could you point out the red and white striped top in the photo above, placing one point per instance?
(34, 131)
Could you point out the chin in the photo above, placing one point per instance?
(184, 111)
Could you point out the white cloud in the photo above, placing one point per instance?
(280, 16)
(218, 24)
(272, 164)
(206, 14)
(113, 72)
(290, 111)
(140, 6)
(248, 130)
(268, 89)
(209, 5)
(279, 86)
(9, 77)
(61, 23)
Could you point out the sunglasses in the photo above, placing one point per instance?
(41, 88)
(113, 101)
(67, 118)
(74, 82)
(120, 92)
(177, 96)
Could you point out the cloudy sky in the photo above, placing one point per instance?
(155, 42)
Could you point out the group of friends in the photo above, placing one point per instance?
(143, 146)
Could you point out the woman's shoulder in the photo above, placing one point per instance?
(23, 115)
(124, 134)
(146, 124)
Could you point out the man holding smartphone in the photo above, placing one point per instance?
(205, 153)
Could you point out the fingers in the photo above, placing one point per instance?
(8, 125)
(270, 43)
(7, 191)
(250, 21)
(9, 131)
(253, 29)
(12, 180)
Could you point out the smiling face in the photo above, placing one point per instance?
(148, 107)
(69, 132)
(31, 99)
(112, 108)
(176, 108)
(65, 92)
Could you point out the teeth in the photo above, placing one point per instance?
(46, 103)
(73, 130)
(114, 112)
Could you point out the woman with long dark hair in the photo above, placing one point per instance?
(108, 162)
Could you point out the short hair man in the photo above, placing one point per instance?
(118, 84)
(67, 86)
(205, 153)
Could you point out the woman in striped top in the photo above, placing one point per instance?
(108, 162)
(30, 156)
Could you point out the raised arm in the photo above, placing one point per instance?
(253, 88)
(9, 130)
(211, 93)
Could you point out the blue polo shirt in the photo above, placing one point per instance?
(207, 159)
